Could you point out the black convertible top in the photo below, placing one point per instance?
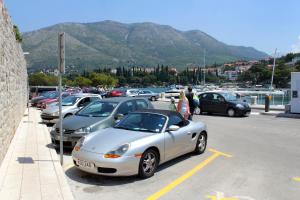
(159, 111)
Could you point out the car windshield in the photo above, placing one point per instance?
(48, 94)
(52, 95)
(146, 122)
(229, 96)
(69, 100)
(98, 109)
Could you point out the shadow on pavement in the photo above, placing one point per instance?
(67, 151)
(98, 180)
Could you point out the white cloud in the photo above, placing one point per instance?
(296, 46)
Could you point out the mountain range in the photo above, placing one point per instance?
(113, 44)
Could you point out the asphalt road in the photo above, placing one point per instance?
(265, 164)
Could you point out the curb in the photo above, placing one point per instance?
(255, 107)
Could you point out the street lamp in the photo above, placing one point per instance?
(274, 63)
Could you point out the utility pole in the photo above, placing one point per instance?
(61, 52)
(274, 63)
(204, 67)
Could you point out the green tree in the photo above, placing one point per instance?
(102, 79)
(82, 81)
(42, 79)
(282, 75)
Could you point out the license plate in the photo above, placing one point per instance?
(85, 164)
(58, 138)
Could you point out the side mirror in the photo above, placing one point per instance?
(118, 117)
(173, 128)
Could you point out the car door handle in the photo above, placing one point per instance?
(189, 133)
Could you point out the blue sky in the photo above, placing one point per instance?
(263, 24)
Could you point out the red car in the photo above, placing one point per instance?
(116, 93)
(45, 102)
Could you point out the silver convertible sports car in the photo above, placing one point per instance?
(140, 142)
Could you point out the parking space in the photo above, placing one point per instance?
(248, 158)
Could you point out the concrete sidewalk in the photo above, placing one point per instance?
(30, 169)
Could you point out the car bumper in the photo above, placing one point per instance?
(245, 111)
(123, 166)
(69, 140)
(49, 119)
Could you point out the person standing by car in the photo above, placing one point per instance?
(192, 104)
(183, 106)
(172, 106)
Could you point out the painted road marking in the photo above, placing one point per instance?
(188, 174)
(296, 179)
(221, 196)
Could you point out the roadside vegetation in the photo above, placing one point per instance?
(163, 75)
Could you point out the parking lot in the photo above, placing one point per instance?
(248, 158)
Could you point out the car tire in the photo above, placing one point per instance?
(198, 111)
(231, 112)
(153, 98)
(148, 164)
(201, 143)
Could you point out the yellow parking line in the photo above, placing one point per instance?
(188, 174)
(296, 179)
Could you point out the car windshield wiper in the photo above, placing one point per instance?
(122, 127)
(145, 129)
(83, 115)
(148, 130)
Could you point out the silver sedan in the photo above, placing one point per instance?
(140, 142)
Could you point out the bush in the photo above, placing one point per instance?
(17, 34)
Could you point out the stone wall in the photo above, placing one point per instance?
(13, 81)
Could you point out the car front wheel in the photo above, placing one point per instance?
(198, 111)
(148, 163)
(201, 143)
(231, 112)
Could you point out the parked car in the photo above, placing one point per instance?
(131, 92)
(148, 94)
(97, 115)
(222, 103)
(140, 142)
(45, 102)
(35, 91)
(116, 93)
(70, 105)
(34, 101)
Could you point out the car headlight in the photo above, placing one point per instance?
(79, 144)
(240, 106)
(118, 152)
(83, 130)
(55, 113)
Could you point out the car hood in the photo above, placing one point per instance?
(36, 99)
(51, 100)
(54, 108)
(46, 100)
(110, 139)
(76, 122)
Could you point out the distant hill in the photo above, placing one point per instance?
(113, 44)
